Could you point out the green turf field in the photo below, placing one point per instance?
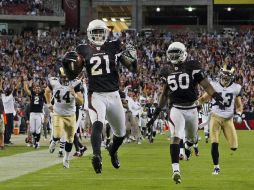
(146, 167)
(17, 149)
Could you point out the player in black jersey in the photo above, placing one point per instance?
(104, 101)
(36, 119)
(181, 78)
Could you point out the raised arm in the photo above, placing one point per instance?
(26, 88)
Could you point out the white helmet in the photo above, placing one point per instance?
(176, 53)
(97, 32)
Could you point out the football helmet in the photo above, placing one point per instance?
(63, 78)
(176, 53)
(227, 75)
(97, 32)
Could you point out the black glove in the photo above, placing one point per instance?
(219, 100)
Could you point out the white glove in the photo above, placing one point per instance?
(130, 52)
(238, 118)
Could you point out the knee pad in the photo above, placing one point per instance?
(56, 139)
(234, 149)
(68, 147)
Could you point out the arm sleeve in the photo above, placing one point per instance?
(198, 73)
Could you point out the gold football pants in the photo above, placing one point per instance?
(218, 124)
(65, 124)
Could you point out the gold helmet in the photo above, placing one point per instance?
(227, 75)
(63, 78)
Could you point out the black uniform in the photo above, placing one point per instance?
(182, 80)
(101, 66)
(36, 102)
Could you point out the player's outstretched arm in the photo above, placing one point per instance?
(238, 105)
(48, 94)
(26, 88)
(204, 98)
(162, 102)
(211, 92)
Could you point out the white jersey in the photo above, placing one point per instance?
(229, 95)
(64, 101)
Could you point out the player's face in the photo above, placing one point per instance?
(37, 89)
(64, 80)
(226, 78)
(98, 35)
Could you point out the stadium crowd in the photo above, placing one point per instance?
(29, 56)
(25, 7)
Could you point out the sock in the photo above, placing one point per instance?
(216, 166)
(182, 151)
(96, 137)
(62, 146)
(117, 141)
(67, 155)
(38, 137)
(195, 145)
(175, 167)
(181, 144)
(174, 152)
(215, 153)
(75, 142)
(108, 129)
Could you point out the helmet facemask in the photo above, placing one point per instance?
(176, 53)
(226, 77)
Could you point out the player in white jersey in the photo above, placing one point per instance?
(66, 95)
(222, 119)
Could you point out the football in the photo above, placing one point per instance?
(73, 64)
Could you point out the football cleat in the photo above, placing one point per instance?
(66, 163)
(206, 140)
(176, 177)
(114, 157)
(97, 164)
(216, 171)
(52, 147)
(196, 151)
(77, 154)
(36, 145)
(60, 154)
(82, 150)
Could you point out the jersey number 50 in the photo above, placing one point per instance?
(181, 81)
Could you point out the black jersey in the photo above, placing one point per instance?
(101, 66)
(36, 102)
(182, 80)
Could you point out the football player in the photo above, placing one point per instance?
(181, 78)
(36, 118)
(205, 115)
(66, 94)
(222, 119)
(99, 57)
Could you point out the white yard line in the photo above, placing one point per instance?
(24, 163)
